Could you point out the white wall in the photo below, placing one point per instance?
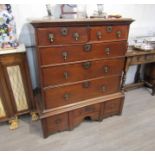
(143, 14)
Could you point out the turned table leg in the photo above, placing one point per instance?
(153, 90)
(126, 68)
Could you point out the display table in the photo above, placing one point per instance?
(135, 57)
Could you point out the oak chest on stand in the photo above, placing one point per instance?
(80, 65)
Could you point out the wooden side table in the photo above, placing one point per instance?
(135, 57)
(16, 96)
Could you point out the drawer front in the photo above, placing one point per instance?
(61, 35)
(112, 107)
(142, 59)
(81, 71)
(85, 111)
(64, 95)
(78, 115)
(64, 54)
(105, 33)
(149, 73)
(56, 123)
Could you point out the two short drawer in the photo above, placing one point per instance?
(71, 119)
(73, 35)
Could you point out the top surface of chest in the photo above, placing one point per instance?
(48, 22)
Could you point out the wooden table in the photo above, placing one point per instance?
(136, 57)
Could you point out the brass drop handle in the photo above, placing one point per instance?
(99, 35)
(118, 34)
(87, 47)
(107, 51)
(109, 28)
(104, 88)
(106, 69)
(65, 55)
(66, 96)
(86, 84)
(51, 37)
(66, 75)
(58, 121)
(76, 36)
(89, 109)
(86, 65)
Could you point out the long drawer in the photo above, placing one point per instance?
(64, 95)
(81, 71)
(64, 54)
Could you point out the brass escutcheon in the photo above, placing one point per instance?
(109, 28)
(64, 31)
(66, 96)
(86, 65)
(87, 47)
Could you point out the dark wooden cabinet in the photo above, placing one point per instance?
(80, 67)
(16, 97)
(149, 76)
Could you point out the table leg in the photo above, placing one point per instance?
(153, 90)
(126, 68)
(137, 75)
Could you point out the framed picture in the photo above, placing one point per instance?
(7, 27)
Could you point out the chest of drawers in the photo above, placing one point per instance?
(80, 66)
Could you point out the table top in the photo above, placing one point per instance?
(52, 20)
(43, 22)
(134, 52)
(19, 49)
